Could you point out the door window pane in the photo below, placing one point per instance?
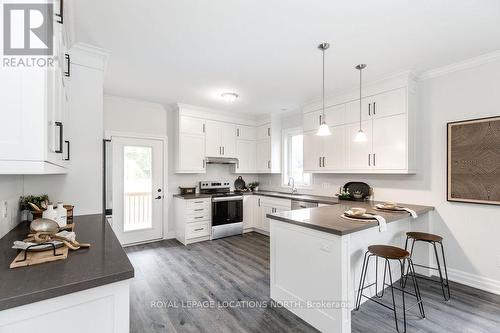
(137, 186)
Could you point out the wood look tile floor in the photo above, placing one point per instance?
(188, 289)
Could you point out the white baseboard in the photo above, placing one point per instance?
(475, 281)
(253, 229)
(170, 235)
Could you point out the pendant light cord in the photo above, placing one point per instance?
(360, 96)
(323, 86)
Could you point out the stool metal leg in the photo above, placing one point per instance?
(362, 277)
(443, 282)
(376, 280)
(393, 299)
(416, 288)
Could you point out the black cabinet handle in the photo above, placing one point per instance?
(237, 132)
(60, 125)
(199, 229)
(369, 159)
(374, 159)
(374, 109)
(203, 128)
(68, 151)
(68, 65)
(320, 119)
(60, 15)
(369, 109)
(268, 131)
(320, 161)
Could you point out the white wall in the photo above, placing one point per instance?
(11, 188)
(470, 231)
(136, 116)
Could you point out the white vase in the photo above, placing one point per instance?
(50, 213)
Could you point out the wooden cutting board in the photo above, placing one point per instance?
(35, 258)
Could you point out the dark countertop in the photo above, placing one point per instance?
(300, 197)
(192, 196)
(328, 218)
(103, 263)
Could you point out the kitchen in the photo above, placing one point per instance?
(281, 214)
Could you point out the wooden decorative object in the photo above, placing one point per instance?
(35, 258)
(474, 161)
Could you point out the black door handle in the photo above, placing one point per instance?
(158, 197)
(68, 152)
(68, 65)
(60, 15)
(60, 148)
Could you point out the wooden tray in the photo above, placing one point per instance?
(35, 258)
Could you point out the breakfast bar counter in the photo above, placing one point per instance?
(317, 255)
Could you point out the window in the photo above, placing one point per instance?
(293, 142)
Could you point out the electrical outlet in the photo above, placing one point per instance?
(325, 185)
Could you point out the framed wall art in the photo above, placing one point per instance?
(474, 161)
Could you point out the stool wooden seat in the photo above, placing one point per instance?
(402, 258)
(436, 241)
(388, 252)
(423, 236)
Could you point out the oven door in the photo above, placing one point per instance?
(227, 210)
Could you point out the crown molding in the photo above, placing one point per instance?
(461, 65)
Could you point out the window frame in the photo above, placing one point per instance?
(286, 159)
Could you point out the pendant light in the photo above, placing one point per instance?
(323, 129)
(360, 136)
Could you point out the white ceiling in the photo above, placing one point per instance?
(265, 50)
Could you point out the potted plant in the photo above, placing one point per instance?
(32, 206)
(253, 186)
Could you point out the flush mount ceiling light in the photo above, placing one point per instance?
(323, 129)
(229, 96)
(360, 136)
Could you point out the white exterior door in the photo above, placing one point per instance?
(137, 169)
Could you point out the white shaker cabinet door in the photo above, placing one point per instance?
(389, 103)
(191, 153)
(359, 154)
(213, 141)
(228, 139)
(246, 152)
(334, 149)
(390, 143)
(312, 152)
(311, 121)
(192, 125)
(264, 156)
(246, 132)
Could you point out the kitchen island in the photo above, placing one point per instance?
(316, 258)
(87, 292)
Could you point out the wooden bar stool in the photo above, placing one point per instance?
(431, 239)
(389, 253)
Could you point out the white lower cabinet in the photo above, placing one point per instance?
(193, 219)
(269, 205)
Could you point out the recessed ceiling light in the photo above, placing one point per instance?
(229, 96)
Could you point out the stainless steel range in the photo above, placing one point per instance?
(227, 208)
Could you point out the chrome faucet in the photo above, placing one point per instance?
(291, 183)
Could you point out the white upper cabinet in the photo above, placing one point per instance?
(390, 143)
(191, 125)
(389, 121)
(189, 146)
(34, 113)
(325, 153)
(359, 154)
(246, 132)
(220, 139)
(246, 152)
(311, 121)
(335, 115)
(389, 103)
(264, 131)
